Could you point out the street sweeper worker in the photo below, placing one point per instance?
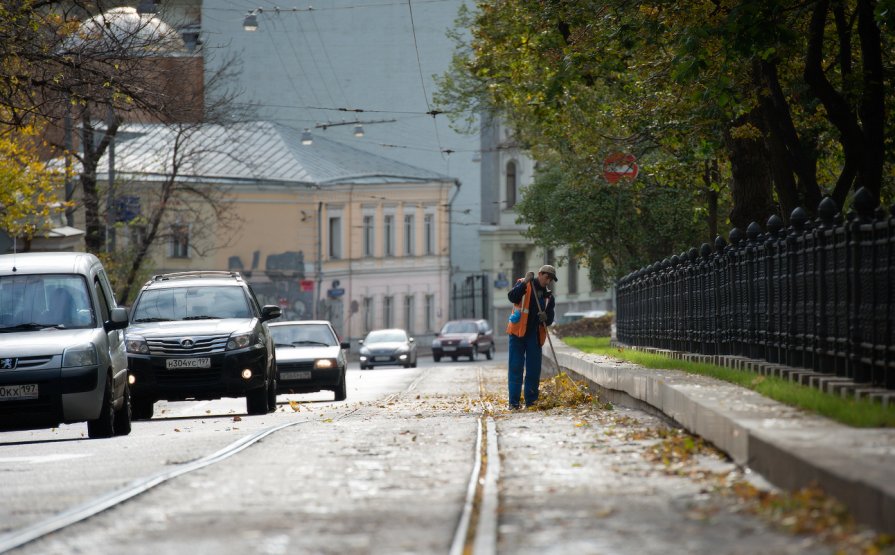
(533, 311)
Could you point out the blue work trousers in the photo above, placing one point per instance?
(524, 355)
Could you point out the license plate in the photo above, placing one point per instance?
(449, 349)
(18, 392)
(174, 363)
(301, 375)
(382, 359)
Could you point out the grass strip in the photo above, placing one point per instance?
(859, 413)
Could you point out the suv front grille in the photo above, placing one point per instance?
(200, 346)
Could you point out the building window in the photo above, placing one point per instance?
(430, 313)
(180, 241)
(387, 312)
(369, 236)
(551, 257)
(389, 232)
(409, 235)
(408, 314)
(572, 286)
(335, 237)
(368, 313)
(511, 184)
(429, 225)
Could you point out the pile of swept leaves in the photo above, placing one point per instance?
(593, 327)
(563, 391)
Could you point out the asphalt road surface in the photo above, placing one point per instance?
(389, 471)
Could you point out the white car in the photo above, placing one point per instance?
(310, 357)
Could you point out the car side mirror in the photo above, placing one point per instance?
(345, 345)
(117, 319)
(411, 340)
(270, 312)
(360, 341)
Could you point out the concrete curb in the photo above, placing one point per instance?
(790, 448)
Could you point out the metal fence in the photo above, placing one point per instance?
(819, 294)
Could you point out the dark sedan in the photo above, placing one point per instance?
(468, 338)
(310, 357)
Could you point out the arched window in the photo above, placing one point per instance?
(511, 184)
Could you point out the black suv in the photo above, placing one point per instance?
(200, 335)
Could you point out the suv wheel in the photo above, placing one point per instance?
(104, 425)
(141, 408)
(256, 401)
(272, 393)
(489, 354)
(122, 421)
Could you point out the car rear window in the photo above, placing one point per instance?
(459, 327)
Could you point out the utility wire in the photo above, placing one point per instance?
(419, 67)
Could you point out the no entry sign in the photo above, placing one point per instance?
(620, 166)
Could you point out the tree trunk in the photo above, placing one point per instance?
(710, 176)
(750, 187)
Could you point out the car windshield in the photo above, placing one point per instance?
(385, 336)
(192, 303)
(459, 327)
(303, 335)
(44, 301)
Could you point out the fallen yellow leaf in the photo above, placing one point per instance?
(295, 405)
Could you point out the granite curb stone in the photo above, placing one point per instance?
(789, 447)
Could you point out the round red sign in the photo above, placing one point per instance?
(618, 166)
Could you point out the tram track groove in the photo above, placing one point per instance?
(476, 532)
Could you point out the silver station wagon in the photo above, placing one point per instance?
(62, 355)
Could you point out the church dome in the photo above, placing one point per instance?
(123, 30)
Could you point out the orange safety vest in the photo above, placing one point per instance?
(518, 328)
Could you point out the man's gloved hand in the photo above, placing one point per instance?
(542, 316)
(529, 276)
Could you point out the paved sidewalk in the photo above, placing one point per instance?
(789, 447)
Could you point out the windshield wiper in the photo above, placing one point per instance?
(30, 326)
(202, 317)
(141, 320)
(309, 342)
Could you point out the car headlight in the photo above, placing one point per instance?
(436, 344)
(365, 351)
(324, 363)
(240, 341)
(136, 344)
(82, 355)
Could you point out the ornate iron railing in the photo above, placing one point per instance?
(819, 295)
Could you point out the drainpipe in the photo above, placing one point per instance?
(319, 262)
(450, 205)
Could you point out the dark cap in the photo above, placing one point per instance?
(548, 269)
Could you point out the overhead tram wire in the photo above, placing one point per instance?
(419, 67)
(310, 51)
(288, 73)
(343, 109)
(329, 61)
(332, 8)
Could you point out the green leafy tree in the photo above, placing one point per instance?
(777, 102)
(28, 188)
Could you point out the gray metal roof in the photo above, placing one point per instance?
(252, 152)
